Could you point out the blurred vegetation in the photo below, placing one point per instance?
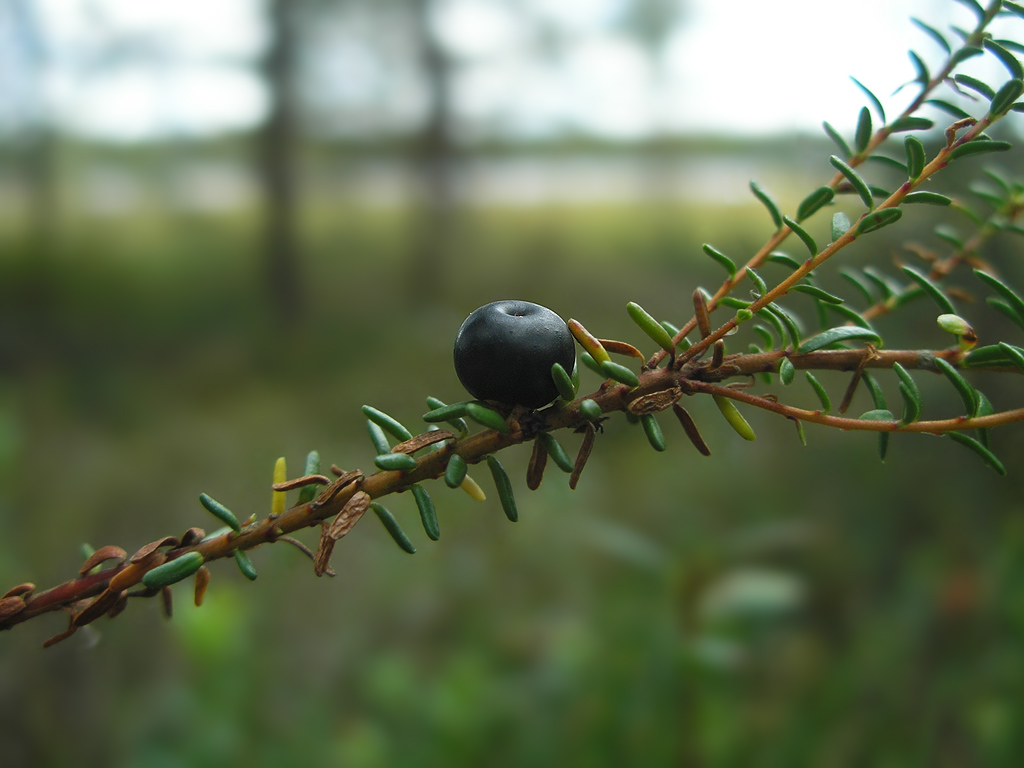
(771, 605)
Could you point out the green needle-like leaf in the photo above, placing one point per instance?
(556, 452)
(816, 292)
(976, 85)
(978, 147)
(1014, 354)
(1008, 60)
(395, 462)
(759, 284)
(862, 136)
(855, 180)
(934, 34)
(393, 528)
(455, 471)
(786, 371)
(308, 492)
(173, 571)
(910, 123)
(768, 203)
(244, 563)
(840, 225)
(650, 326)
(819, 198)
(1006, 96)
(838, 140)
(620, 373)
(1015, 302)
(428, 515)
(878, 219)
(871, 97)
(788, 322)
(563, 382)
(968, 394)
(727, 264)
(734, 417)
(986, 455)
(932, 290)
(837, 335)
(378, 438)
(487, 417)
(910, 393)
(927, 198)
(504, 488)
(653, 431)
(819, 390)
(802, 233)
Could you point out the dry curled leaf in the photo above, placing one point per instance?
(586, 447)
(535, 469)
(422, 441)
(192, 536)
(301, 482)
(25, 590)
(655, 401)
(101, 555)
(153, 546)
(11, 606)
(99, 606)
(202, 582)
(354, 509)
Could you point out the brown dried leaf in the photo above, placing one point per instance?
(99, 606)
(586, 447)
(153, 546)
(168, 602)
(691, 429)
(101, 555)
(202, 582)
(11, 606)
(300, 482)
(422, 441)
(354, 509)
(25, 590)
(132, 573)
(321, 562)
(654, 402)
(344, 481)
(72, 628)
(621, 348)
(120, 605)
(192, 536)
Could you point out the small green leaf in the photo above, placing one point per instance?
(173, 571)
(591, 363)
(308, 492)
(892, 162)
(620, 373)
(759, 284)
(840, 225)
(839, 141)
(650, 326)
(487, 417)
(1005, 309)
(836, 335)
(967, 52)
(219, 511)
(986, 455)
(819, 198)
(387, 423)
(931, 289)
(590, 410)
(862, 136)
(743, 315)
(1008, 60)
(934, 34)
(818, 293)
(974, 7)
(976, 85)
(909, 123)
(855, 280)
(802, 233)
(871, 97)
(1015, 302)
(768, 203)
(734, 417)
(878, 414)
(766, 336)
(378, 438)
(968, 394)
(1014, 354)
(778, 257)
(786, 371)
(922, 69)
(455, 471)
(877, 395)
(950, 109)
(393, 528)
(978, 147)
(875, 220)
(926, 198)
(653, 431)
(504, 488)
(244, 563)
(819, 390)
(855, 180)
(1013, 8)
(788, 321)
(556, 452)
(395, 462)
(1006, 96)
(428, 515)
(910, 393)
(726, 263)
(563, 382)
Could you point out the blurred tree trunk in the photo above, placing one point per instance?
(278, 164)
(434, 159)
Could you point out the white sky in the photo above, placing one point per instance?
(739, 66)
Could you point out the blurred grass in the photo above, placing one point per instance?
(770, 606)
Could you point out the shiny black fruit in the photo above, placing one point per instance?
(504, 352)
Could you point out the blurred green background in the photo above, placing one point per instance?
(181, 308)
